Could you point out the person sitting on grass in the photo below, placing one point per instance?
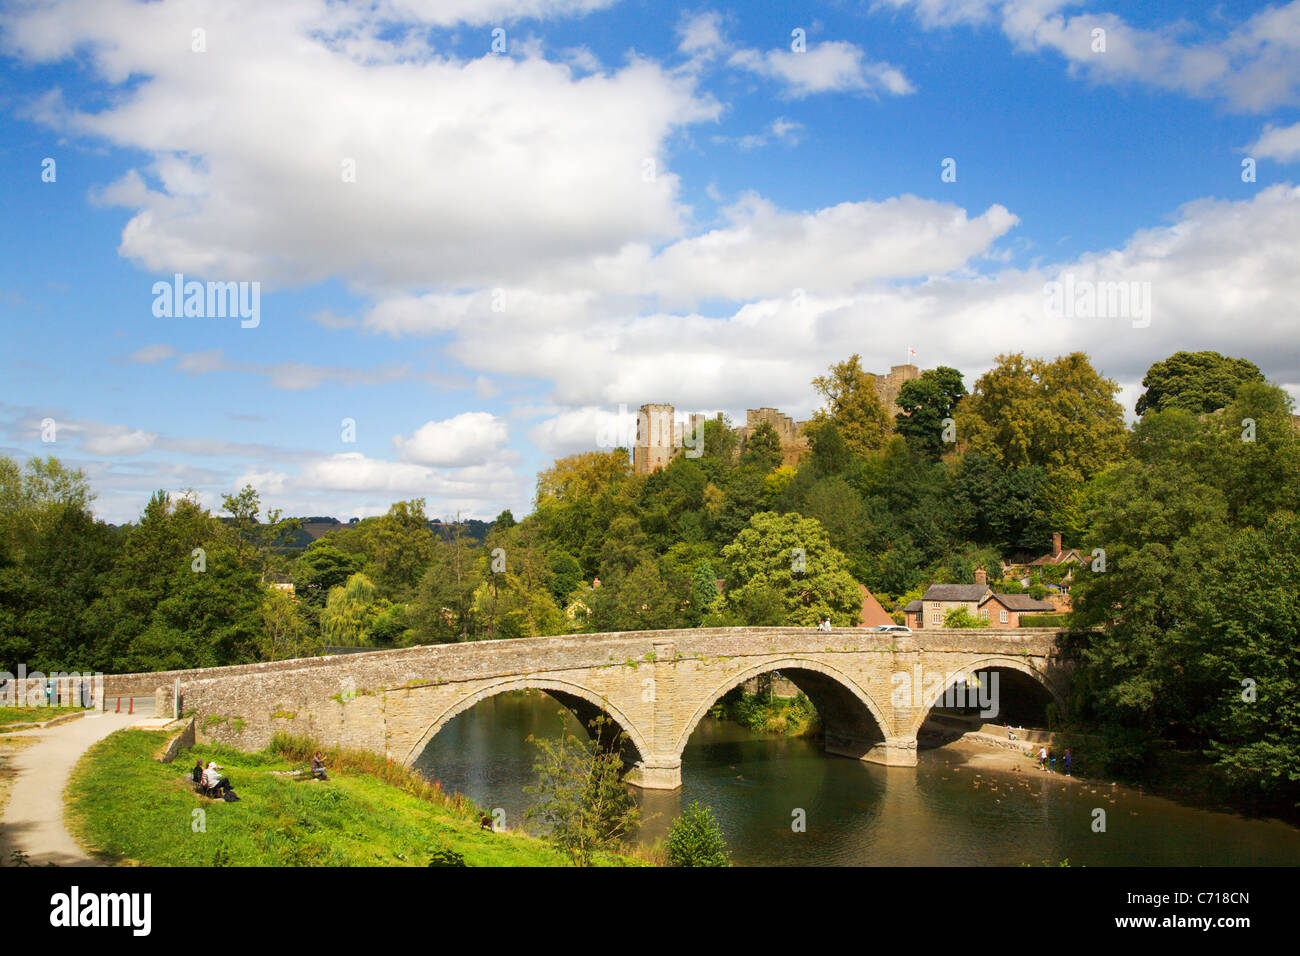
(218, 783)
(197, 772)
(318, 766)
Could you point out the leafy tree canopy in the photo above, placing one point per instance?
(1197, 382)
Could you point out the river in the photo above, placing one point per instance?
(938, 813)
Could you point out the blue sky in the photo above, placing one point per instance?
(630, 202)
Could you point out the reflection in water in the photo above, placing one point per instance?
(858, 813)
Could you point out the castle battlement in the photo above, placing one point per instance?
(660, 437)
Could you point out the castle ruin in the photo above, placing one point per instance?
(660, 437)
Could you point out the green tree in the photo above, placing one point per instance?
(1248, 616)
(1061, 416)
(566, 575)
(33, 497)
(1009, 508)
(443, 608)
(763, 449)
(180, 594)
(926, 403)
(400, 547)
(250, 532)
(1195, 382)
(704, 589)
(961, 617)
(321, 568)
(853, 404)
(695, 839)
(638, 600)
(719, 440)
(830, 455)
(791, 557)
(286, 632)
(350, 611)
(582, 801)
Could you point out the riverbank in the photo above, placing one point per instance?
(128, 809)
(770, 715)
(978, 755)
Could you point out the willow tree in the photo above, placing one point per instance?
(349, 611)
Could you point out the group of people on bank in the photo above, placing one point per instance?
(215, 783)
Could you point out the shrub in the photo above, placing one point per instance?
(696, 840)
(1042, 620)
(445, 857)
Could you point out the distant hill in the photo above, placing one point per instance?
(317, 526)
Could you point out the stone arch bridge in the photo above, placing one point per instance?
(873, 690)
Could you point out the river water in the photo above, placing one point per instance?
(938, 813)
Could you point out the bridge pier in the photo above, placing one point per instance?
(656, 774)
(890, 752)
(893, 752)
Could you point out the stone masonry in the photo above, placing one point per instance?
(659, 436)
(873, 690)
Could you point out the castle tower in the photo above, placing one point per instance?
(888, 386)
(656, 438)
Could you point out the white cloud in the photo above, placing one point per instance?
(117, 440)
(466, 171)
(761, 251)
(700, 34)
(834, 66)
(370, 485)
(1252, 67)
(1215, 283)
(152, 354)
(1277, 142)
(585, 429)
(780, 130)
(290, 376)
(467, 439)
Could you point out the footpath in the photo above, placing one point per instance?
(32, 823)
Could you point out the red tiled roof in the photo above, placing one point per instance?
(872, 614)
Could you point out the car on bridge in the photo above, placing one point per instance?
(896, 628)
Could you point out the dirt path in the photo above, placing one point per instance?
(32, 823)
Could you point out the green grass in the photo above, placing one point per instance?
(27, 715)
(131, 809)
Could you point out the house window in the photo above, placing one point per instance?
(1002, 616)
(936, 619)
(935, 605)
(984, 613)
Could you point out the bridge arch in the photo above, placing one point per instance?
(993, 662)
(584, 703)
(853, 722)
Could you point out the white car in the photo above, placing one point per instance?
(894, 628)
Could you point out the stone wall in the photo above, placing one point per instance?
(889, 385)
(655, 685)
(794, 443)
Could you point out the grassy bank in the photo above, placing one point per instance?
(11, 716)
(128, 808)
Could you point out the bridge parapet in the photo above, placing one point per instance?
(655, 685)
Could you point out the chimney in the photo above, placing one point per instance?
(981, 576)
(1056, 543)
